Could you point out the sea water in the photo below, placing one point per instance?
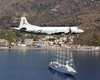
(29, 64)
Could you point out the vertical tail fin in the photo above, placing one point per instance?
(23, 22)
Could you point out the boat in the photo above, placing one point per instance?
(63, 62)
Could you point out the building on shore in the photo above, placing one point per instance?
(4, 42)
(22, 44)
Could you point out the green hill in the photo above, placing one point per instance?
(82, 13)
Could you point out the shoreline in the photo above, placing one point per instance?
(47, 49)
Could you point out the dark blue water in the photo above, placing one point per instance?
(31, 64)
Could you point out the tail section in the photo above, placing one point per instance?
(23, 22)
(24, 25)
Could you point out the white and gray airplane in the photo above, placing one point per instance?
(25, 26)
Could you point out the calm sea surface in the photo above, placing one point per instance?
(28, 64)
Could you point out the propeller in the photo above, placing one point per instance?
(69, 30)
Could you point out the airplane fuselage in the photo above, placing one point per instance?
(25, 26)
(47, 30)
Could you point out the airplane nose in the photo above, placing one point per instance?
(82, 31)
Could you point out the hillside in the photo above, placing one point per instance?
(82, 13)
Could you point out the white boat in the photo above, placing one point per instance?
(63, 62)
